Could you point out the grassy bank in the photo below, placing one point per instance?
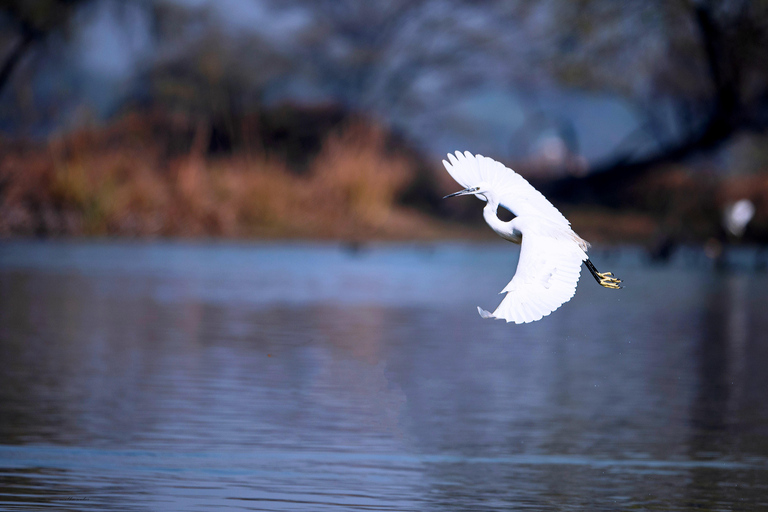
(304, 174)
(140, 177)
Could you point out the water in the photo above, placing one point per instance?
(179, 376)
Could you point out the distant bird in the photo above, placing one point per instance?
(737, 215)
(550, 252)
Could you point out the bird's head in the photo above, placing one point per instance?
(480, 191)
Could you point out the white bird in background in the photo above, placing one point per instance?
(550, 252)
(737, 215)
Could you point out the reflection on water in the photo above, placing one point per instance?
(289, 377)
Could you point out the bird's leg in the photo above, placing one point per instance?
(603, 278)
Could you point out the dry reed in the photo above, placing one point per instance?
(123, 180)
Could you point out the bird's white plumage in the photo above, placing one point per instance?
(547, 273)
(737, 216)
(512, 190)
(551, 254)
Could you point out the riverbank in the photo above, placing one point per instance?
(156, 175)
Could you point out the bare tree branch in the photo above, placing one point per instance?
(35, 21)
(13, 59)
(726, 115)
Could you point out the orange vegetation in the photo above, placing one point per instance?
(128, 179)
(303, 174)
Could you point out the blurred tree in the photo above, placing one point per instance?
(201, 67)
(349, 45)
(696, 72)
(397, 55)
(26, 23)
(208, 75)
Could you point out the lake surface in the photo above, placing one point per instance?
(182, 376)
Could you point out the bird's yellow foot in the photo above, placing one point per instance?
(608, 280)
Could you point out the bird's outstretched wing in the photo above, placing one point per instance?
(513, 191)
(545, 279)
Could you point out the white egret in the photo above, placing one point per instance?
(550, 252)
(737, 215)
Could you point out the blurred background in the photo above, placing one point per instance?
(283, 119)
(228, 280)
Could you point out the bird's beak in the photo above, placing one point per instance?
(470, 190)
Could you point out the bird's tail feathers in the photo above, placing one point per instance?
(484, 313)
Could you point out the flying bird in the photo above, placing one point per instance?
(551, 253)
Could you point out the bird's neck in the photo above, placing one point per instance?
(503, 229)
